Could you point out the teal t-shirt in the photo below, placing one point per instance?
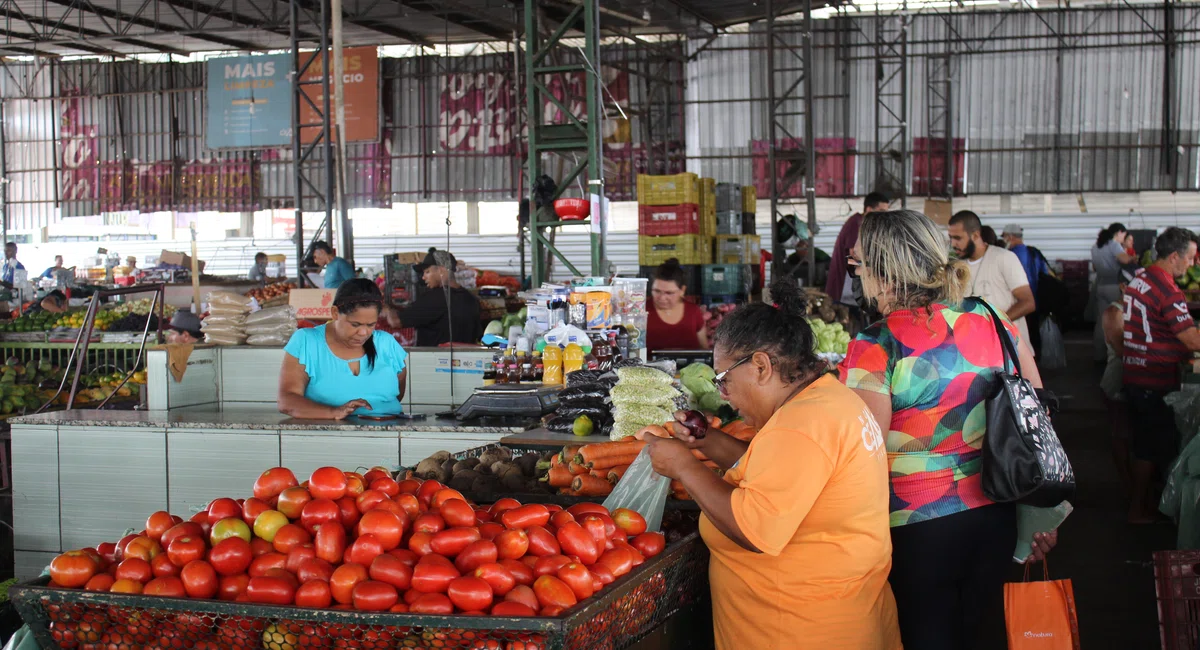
(337, 271)
(330, 381)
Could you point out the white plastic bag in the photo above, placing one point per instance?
(642, 490)
(229, 299)
(273, 316)
(267, 339)
(1054, 351)
(285, 330)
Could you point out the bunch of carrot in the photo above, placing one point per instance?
(738, 429)
(591, 470)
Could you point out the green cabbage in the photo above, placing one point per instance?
(698, 378)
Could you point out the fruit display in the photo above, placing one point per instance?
(1189, 282)
(359, 542)
(97, 387)
(263, 294)
(141, 307)
(40, 321)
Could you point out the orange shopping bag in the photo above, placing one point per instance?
(1041, 615)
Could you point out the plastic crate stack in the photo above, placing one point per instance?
(730, 276)
(675, 219)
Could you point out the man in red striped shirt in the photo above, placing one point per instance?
(1159, 335)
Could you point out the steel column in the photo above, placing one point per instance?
(891, 104)
(304, 155)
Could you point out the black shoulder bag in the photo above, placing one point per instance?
(1023, 459)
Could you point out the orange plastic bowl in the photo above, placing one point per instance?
(572, 209)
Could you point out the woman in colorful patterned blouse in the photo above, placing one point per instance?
(925, 371)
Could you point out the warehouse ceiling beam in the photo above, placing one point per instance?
(202, 13)
(105, 14)
(48, 28)
(459, 15)
(701, 17)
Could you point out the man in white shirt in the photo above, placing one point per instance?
(996, 274)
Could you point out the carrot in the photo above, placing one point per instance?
(558, 476)
(576, 468)
(613, 461)
(699, 455)
(652, 430)
(677, 485)
(616, 473)
(568, 452)
(594, 451)
(681, 495)
(711, 465)
(586, 485)
(740, 430)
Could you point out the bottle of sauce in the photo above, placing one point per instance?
(539, 368)
(489, 372)
(512, 369)
(603, 353)
(552, 357)
(572, 359)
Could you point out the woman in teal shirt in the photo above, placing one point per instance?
(344, 367)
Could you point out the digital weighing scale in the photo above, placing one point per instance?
(498, 400)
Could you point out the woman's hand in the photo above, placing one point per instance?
(342, 412)
(669, 456)
(684, 434)
(1042, 543)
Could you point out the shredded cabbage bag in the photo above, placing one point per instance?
(643, 376)
(624, 393)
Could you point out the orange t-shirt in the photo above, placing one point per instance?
(812, 495)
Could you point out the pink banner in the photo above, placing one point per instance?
(78, 155)
(834, 173)
(477, 113)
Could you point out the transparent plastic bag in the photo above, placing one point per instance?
(642, 414)
(1186, 405)
(624, 393)
(273, 316)
(644, 376)
(259, 329)
(267, 339)
(1054, 351)
(642, 490)
(221, 320)
(226, 299)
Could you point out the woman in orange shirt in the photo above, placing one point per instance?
(798, 526)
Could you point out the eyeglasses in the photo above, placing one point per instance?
(719, 380)
(853, 265)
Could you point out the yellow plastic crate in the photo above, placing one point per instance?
(749, 199)
(736, 249)
(708, 207)
(688, 249)
(668, 190)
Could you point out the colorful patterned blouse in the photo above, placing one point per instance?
(938, 367)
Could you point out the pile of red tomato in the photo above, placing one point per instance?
(371, 543)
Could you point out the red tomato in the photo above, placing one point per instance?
(427, 490)
(341, 583)
(522, 573)
(133, 568)
(270, 591)
(512, 544)
(327, 483)
(577, 577)
(541, 542)
(143, 547)
(429, 522)
(431, 603)
(158, 523)
(501, 505)
(126, 586)
(549, 565)
(108, 550)
(290, 537)
(163, 566)
(575, 540)
(421, 543)
(603, 574)
(185, 529)
(223, 508)
(524, 595)
(314, 568)
(314, 593)
(374, 596)
(452, 541)
(330, 542)
(457, 513)
(594, 526)
(376, 473)
(355, 485)
(499, 578)
(482, 515)
(635, 554)
(433, 577)
(618, 562)
(265, 562)
(580, 509)
(224, 529)
(292, 501)
(409, 486)
(124, 541)
(369, 499)
(629, 521)
(443, 495)
(230, 587)
(552, 592)
(409, 504)
(386, 485)
(99, 582)
(406, 556)
(649, 544)
(476, 553)
(259, 546)
(231, 556)
(298, 555)
(469, 593)
(511, 608)
(490, 530)
(273, 482)
(252, 508)
(318, 512)
(561, 518)
(348, 512)
(199, 579)
(392, 570)
(534, 514)
(364, 550)
(385, 526)
(186, 549)
(73, 569)
(168, 586)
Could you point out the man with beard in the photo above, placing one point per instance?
(996, 274)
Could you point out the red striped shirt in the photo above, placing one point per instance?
(1155, 314)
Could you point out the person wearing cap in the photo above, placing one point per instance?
(1035, 266)
(450, 314)
(184, 329)
(337, 270)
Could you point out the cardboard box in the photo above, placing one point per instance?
(939, 210)
(175, 258)
(410, 258)
(312, 304)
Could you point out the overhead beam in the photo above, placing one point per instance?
(59, 25)
(233, 17)
(155, 25)
(456, 15)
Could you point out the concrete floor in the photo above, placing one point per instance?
(1107, 560)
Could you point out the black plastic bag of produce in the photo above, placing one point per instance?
(584, 393)
(583, 377)
(595, 413)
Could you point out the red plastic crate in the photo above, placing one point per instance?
(661, 220)
(1177, 586)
